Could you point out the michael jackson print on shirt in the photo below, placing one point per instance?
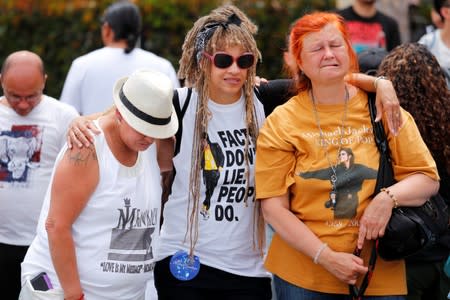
(350, 177)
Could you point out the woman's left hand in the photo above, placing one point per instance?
(259, 80)
(386, 98)
(375, 218)
(80, 132)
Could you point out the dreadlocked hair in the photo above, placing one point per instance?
(422, 90)
(196, 73)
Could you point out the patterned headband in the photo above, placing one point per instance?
(205, 34)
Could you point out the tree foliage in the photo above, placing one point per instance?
(59, 31)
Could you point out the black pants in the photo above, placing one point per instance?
(210, 283)
(427, 280)
(11, 257)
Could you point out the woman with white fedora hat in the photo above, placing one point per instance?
(94, 237)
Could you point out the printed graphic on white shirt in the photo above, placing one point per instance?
(131, 240)
(223, 164)
(20, 152)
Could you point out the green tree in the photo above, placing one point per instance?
(59, 31)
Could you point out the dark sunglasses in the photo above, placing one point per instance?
(223, 60)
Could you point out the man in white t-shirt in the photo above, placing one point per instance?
(32, 132)
(438, 41)
(92, 76)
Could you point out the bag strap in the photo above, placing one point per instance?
(383, 147)
(355, 292)
(385, 175)
(168, 177)
(180, 111)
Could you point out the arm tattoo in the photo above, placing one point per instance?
(77, 157)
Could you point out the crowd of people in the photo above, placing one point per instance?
(159, 191)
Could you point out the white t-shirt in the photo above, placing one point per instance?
(436, 46)
(115, 233)
(91, 78)
(29, 146)
(225, 237)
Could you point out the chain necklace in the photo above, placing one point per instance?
(333, 176)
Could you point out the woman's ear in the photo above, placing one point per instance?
(107, 34)
(445, 12)
(118, 116)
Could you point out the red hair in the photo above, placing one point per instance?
(311, 23)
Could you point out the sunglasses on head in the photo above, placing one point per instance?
(223, 60)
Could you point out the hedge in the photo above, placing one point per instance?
(59, 31)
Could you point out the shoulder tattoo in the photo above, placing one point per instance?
(82, 156)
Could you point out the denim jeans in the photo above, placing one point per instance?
(286, 291)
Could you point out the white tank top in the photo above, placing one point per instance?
(114, 233)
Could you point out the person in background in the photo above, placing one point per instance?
(369, 60)
(92, 76)
(421, 89)
(368, 27)
(32, 131)
(311, 253)
(436, 19)
(100, 216)
(438, 41)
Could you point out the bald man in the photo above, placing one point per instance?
(32, 131)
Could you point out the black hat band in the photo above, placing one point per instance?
(139, 113)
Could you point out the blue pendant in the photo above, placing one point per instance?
(184, 267)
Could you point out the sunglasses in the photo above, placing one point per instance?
(223, 60)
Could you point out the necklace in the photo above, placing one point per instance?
(333, 176)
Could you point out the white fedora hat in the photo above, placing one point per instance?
(144, 99)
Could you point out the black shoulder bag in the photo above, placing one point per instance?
(410, 229)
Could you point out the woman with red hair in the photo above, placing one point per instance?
(319, 250)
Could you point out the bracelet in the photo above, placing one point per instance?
(81, 297)
(375, 83)
(394, 199)
(316, 257)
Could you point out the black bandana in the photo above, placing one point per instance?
(206, 32)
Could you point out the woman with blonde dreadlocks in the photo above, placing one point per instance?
(205, 246)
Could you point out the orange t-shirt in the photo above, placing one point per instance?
(291, 157)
